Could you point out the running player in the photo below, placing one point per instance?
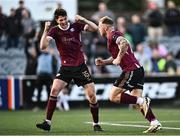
(132, 77)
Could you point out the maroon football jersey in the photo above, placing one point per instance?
(128, 61)
(69, 44)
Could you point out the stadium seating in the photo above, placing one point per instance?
(12, 62)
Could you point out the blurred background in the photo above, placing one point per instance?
(151, 26)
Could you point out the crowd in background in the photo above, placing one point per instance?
(145, 33)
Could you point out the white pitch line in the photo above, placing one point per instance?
(131, 125)
(162, 121)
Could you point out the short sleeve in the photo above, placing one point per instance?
(51, 33)
(116, 35)
(80, 26)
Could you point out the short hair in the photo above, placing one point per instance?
(21, 2)
(59, 12)
(106, 20)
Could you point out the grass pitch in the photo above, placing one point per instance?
(77, 122)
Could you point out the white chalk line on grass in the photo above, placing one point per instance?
(135, 122)
(132, 125)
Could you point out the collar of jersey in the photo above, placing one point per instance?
(66, 28)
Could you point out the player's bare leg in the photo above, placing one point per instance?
(118, 95)
(51, 105)
(115, 94)
(94, 106)
(155, 125)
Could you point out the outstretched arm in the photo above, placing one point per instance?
(123, 47)
(90, 26)
(44, 43)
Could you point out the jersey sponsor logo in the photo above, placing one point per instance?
(66, 40)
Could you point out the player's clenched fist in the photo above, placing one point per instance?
(99, 62)
(79, 18)
(47, 25)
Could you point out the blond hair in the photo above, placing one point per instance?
(106, 20)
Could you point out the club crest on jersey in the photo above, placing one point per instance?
(72, 29)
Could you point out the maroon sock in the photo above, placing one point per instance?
(150, 116)
(51, 107)
(128, 99)
(94, 108)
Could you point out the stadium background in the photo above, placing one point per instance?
(160, 56)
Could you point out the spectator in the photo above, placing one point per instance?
(137, 30)
(143, 58)
(59, 5)
(99, 41)
(158, 63)
(158, 55)
(161, 49)
(45, 71)
(19, 10)
(19, 14)
(170, 66)
(31, 56)
(12, 30)
(172, 19)
(2, 24)
(102, 11)
(121, 26)
(29, 27)
(155, 59)
(154, 19)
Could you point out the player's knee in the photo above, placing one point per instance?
(92, 98)
(54, 91)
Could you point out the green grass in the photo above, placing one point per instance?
(73, 122)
